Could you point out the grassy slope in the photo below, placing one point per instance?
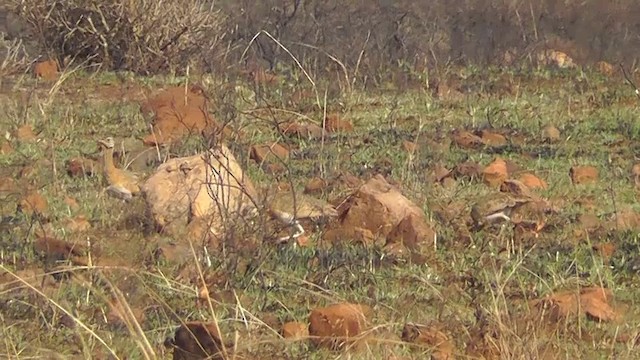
(599, 127)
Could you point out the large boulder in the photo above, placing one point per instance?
(380, 209)
(210, 186)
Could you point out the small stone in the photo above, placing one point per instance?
(550, 133)
(25, 133)
(33, 203)
(605, 68)
(495, 173)
(47, 70)
(315, 185)
(295, 330)
(262, 153)
(409, 146)
(196, 340)
(335, 326)
(493, 139)
(334, 123)
(467, 140)
(583, 174)
(532, 181)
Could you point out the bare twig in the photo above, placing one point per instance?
(628, 78)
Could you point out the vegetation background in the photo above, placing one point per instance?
(409, 77)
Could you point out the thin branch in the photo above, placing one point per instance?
(628, 78)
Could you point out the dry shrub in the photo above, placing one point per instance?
(372, 37)
(13, 56)
(348, 40)
(144, 36)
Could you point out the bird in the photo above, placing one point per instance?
(494, 207)
(122, 184)
(289, 208)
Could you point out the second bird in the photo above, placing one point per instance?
(290, 209)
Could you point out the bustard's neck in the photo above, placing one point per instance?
(108, 159)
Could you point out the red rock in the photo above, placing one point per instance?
(334, 123)
(197, 340)
(606, 250)
(515, 187)
(378, 207)
(262, 153)
(55, 250)
(348, 180)
(180, 191)
(176, 97)
(315, 185)
(467, 140)
(411, 231)
(337, 325)
(627, 218)
(356, 235)
(468, 169)
(295, 330)
(120, 315)
(6, 148)
(449, 183)
(410, 147)
(8, 186)
(304, 130)
(589, 221)
(47, 70)
(33, 203)
(493, 139)
(71, 203)
(495, 173)
(81, 167)
(431, 337)
(532, 181)
(605, 68)
(77, 224)
(178, 112)
(25, 133)
(440, 172)
(583, 174)
(551, 133)
(274, 168)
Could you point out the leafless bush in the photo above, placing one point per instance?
(372, 37)
(361, 39)
(13, 57)
(144, 36)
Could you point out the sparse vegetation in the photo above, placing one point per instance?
(84, 274)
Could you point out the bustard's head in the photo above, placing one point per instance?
(108, 142)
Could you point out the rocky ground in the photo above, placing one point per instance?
(483, 214)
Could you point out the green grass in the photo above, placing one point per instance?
(467, 287)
